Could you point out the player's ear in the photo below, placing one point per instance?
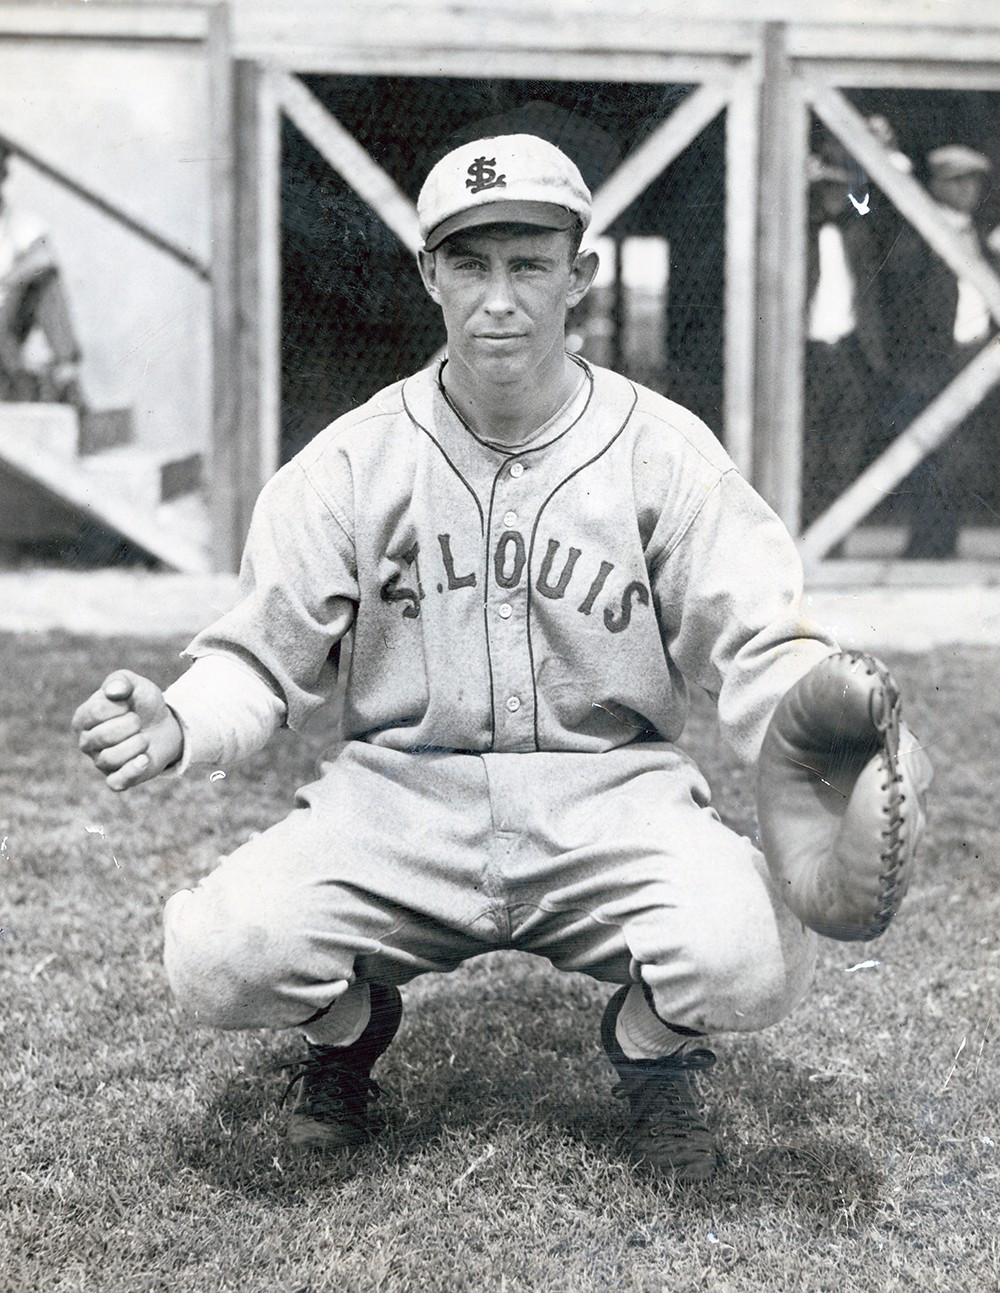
(427, 263)
(582, 276)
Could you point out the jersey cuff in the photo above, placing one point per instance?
(225, 711)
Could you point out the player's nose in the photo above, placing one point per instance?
(499, 297)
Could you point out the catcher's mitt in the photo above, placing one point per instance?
(841, 789)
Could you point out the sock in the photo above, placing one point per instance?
(641, 1034)
(344, 1021)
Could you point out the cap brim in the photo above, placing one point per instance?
(544, 215)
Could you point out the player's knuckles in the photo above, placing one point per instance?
(132, 774)
(120, 729)
(86, 715)
(106, 760)
(104, 735)
(89, 742)
(93, 741)
(97, 709)
(117, 756)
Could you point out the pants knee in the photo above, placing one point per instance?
(237, 966)
(735, 985)
(214, 967)
(757, 991)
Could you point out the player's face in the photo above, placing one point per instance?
(504, 292)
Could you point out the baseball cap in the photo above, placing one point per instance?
(955, 160)
(509, 179)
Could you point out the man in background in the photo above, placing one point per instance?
(946, 322)
(39, 353)
(845, 338)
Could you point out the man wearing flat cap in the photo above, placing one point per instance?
(534, 558)
(946, 321)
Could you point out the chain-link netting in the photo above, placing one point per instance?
(890, 324)
(881, 336)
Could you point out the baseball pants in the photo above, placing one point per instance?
(395, 864)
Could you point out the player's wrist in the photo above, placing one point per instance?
(166, 743)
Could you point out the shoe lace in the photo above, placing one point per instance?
(332, 1086)
(660, 1092)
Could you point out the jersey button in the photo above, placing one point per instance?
(517, 469)
(513, 704)
(510, 519)
(505, 611)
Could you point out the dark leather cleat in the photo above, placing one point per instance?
(665, 1129)
(336, 1088)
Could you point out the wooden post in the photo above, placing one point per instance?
(742, 163)
(225, 503)
(781, 273)
(258, 275)
(619, 309)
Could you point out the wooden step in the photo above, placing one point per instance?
(60, 428)
(141, 476)
(104, 429)
(130, 490)
(51, 428)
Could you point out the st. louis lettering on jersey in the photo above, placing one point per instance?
(562, 574)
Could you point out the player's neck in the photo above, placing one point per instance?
(508, 412)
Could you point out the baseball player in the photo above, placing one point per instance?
(534, 559)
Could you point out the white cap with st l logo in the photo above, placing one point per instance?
(511, 179)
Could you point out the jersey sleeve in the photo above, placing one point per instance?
(729, 593)
(298, 591)
(225, 711)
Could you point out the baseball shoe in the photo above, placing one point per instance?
(335, 1082)
(665, 1128)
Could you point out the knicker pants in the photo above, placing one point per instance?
(395, 864)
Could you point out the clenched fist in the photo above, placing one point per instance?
(128, 730)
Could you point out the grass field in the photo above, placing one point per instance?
(860, 1138)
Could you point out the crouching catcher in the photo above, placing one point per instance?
(535, 559)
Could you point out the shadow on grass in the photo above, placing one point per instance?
(797, 1135)
(236, 1141)
(535, 1084)
(835, 1186)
